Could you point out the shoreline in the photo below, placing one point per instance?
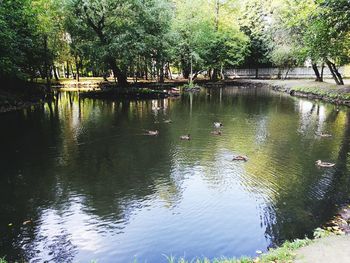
(309, 89)
(22, 97)
(335, 231)
(32, 95)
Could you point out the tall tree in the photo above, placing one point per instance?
(254, 22)
(207, 36)
(119, 28)
(20, 46)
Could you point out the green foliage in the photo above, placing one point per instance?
(19, 40)
(254, 22)
(322, 233)
(285, 253)
(317, 31)
(284, 57)
(119, 32)
(212, 42)
(146, 38)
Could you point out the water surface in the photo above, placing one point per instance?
(95, 188)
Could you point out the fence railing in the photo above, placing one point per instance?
(274, 73)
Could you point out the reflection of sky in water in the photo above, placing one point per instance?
(148, 226)
(113, 194)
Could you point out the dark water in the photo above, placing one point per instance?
(95, 188)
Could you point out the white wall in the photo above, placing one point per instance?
(295, 73)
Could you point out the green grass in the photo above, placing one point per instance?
(330, 92)
(283, 254)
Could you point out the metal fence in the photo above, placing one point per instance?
(275, 73)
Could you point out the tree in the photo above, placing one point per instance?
(254, 22)
(328, 37)
(319, 31)
(211, 40)
(286, 46)
(20, 52)
(122, 30)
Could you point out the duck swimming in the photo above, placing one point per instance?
(240, 158)
(324, 164)
(152, 133)
(218, 124)
(185, 137)
(324, 135)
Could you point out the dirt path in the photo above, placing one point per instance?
(334, 249)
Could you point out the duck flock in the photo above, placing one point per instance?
(187, 137)
(218, 132)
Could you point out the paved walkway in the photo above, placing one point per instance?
(334, 249)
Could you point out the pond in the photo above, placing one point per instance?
(80, 181)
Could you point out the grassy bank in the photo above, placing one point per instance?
(283, 254)
(286, 253)
(325, 91)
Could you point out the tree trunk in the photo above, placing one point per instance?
(257, 73)
(55, 73)
(210, 74)
(50, 72)
(74, 75)
(285, 77)
(340, 77)
(169, 71)
(222, 72)
(67, 72)
(161, 73)
(186, 73)
(335, 73)
(46, 66)
(279, 74)
(118, 73)
(317, 73)
(215, 74)
(42, 73)
(77, 67)
(186, 67)
(166, 71)
(195, 75)
(105, 74)
(98, 28)
(146, 69)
